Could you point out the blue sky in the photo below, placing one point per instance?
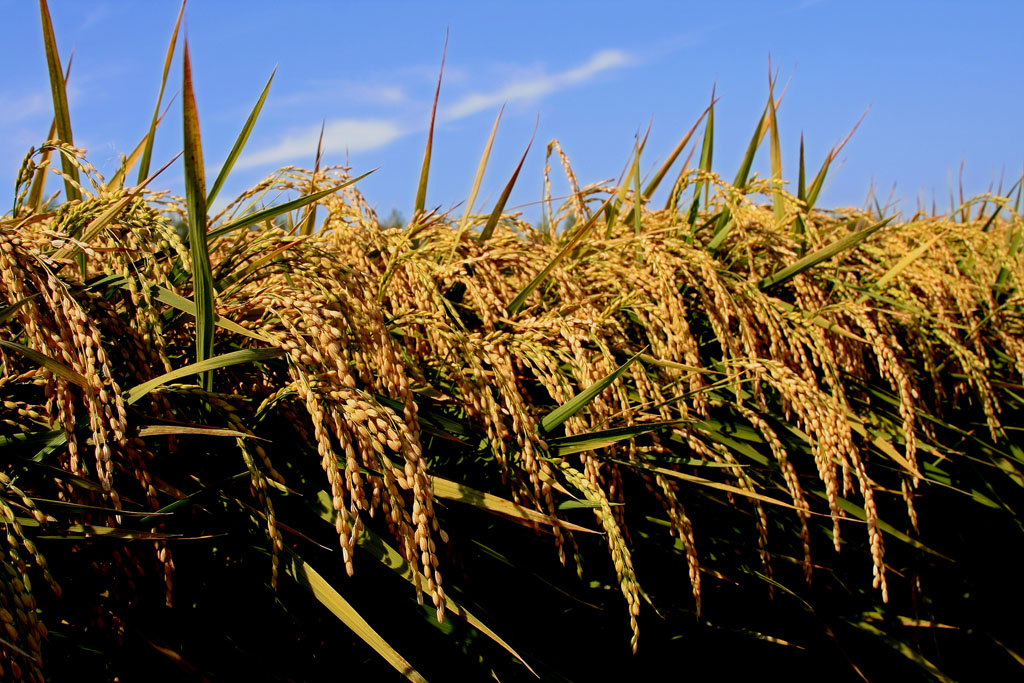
(944, 82)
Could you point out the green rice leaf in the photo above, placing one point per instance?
(147, 151)
(58, 89)
(58, 439)
(432, 420)
(902, 264)
(452, 490)
(729, 488)
(574, 405)
(743, 172)
(187, 500)
(902, 647)
(580, 505)
(819, 321)
(612, 210)
(725, 221)
(722, 229)
(76, 532)
(819, 179)
(308, 577)
(421, 188)
(580, 443)
(1005, 271)
(706, 153)
(179, 430)
(78, 507)
(731, 438)
(35, 193)
(659, 175)
(8, 312)
(309, 222)
(478, 179)
(231, 278)
(778, 203)
(519, 301)
(376, 546)
(276, 210)
(801, 187)
(59, 474)
(818, 182)
(492, 221)
(638, 200)
(185, 306)
(117, 180)
(801, 193)
(205, 366)
(823, 254)
(240, 141)
(45, 361)
(858, 512)
(195, 194)
(992, 218)
(79, 531)
(112, 212)
(1013, 654)
(143, 167)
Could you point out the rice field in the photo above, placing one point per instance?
(728, 434)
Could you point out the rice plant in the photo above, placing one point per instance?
(290, 441)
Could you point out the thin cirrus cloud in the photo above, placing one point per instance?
(354, 135)
(361, 135)
(536, 88)
(16, 108)
(330, 92)
(377, 94)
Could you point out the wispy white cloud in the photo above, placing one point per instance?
(347, 92)
(35, 104)
(365, 134)
(15, 108)
(340, 135)
(537, 87)
(376, 94)
(97, 15)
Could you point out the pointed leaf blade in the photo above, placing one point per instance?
(589, 441)
(60, 102)
(332, 600)
(243, 136)
(45, 361)
(743, 173)
(195, 194)
(655, 180)
(309, 222)
(495, 216)
(778, 203)
(278, 209)
(822, 254)
(574, 405)
(451, 490)
(706, 154)
(224, 360)
(35, 192)
(421, 188)
(519, 301)
(117, 180)
(147, 151)
(480, 171)
(114, 210)
(392, 559)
